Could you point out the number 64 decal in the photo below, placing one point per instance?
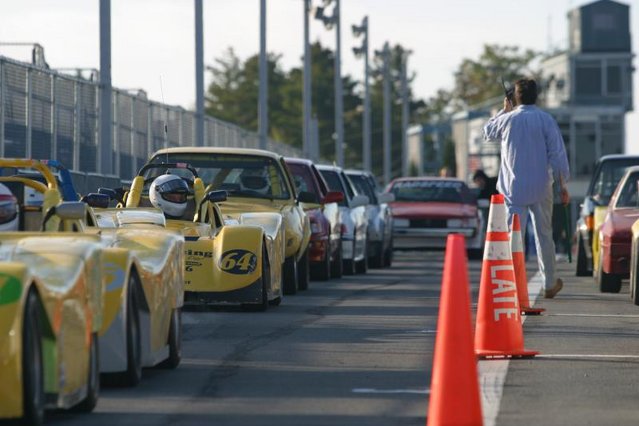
(238, 262)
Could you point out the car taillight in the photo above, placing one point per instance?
(590, 222)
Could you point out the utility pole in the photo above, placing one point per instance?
(405, 112)
(363, 51)
(199, 75)
(263, 90)
(329, 21)
(307, 149)
(106, 101)
(385, 55)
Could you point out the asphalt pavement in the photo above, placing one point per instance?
(358, 351)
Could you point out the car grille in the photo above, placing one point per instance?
(428, 223)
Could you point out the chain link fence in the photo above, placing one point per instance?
(47, 114)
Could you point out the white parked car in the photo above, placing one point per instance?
(354, 220)
(380, 219)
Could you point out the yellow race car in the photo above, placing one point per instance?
(258, 184)
(227, 262)
(51, 295)
(143, 277)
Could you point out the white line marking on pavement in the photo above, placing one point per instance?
(392, 391)
(492, 373)
(595, 315)
(588, 356)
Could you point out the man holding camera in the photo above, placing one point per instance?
(533, 156)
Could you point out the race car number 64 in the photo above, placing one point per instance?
(238, 262)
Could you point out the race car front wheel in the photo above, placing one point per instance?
(93, 379)
(32, 371)
(290, 275)
(175, 341)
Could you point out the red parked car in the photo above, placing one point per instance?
(615, 234)
(325, 248)
(427, 209)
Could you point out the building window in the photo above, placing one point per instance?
(588, 81)
(614, 79)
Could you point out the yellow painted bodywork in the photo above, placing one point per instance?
(599, 218)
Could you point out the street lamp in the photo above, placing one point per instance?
(359, 52)
(405, 112)
(262, 122)
(384, 54)
(329, 21)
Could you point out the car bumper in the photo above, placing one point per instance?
(407, 238)
(317, 249)
(249, 294)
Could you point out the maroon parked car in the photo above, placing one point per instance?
(325, 247)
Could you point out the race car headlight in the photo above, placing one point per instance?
(454, 223)
(401, 223)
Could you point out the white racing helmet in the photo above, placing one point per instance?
(255, 181)
(9, 210)
(169, 193)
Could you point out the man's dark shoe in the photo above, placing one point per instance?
(550, 293)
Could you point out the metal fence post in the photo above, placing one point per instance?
(149, 131)
(132, 133)
(116, 133)
(28, 107)
(77, 96)
(54, 119)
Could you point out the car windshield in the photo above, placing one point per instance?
(444, 191)
(628, 194)
(303, 179)
(251, 176)
(334, 183)
(610, 173)
(363, 186)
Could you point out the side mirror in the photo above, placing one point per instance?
(307, 197)
(108, 192)
(216, 196)
(386, 197)
(333, 197)
(359, 200)
(100, 201)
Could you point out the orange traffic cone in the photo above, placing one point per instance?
(454, 389)
(519, 263)
(498, 330)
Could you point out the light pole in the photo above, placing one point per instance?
(262, 122)
(199, 75)
(405, 112)
(106, 101)
(363, 51)
(329, 21)
(308, 146)
(385, 55)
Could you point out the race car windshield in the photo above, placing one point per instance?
(363, 186)
(248, 176)
(610, 173)
(429, 190)
(628, 194)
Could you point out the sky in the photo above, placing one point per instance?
(153, 40)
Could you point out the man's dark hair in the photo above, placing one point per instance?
(480, 174)
(525, 91)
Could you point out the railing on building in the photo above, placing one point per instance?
(47, 114)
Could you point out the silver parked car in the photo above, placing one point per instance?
(380, 219)
(354, 220)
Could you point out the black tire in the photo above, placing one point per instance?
(290, 275)
(276, 301)
(388, 255)
(582, 269)
(475, 254)
(349, 264)
(321, 271)
(361, 267)
(32, 371)
(337, 265)
(608, 283)
(377, 260)
(174, 341)
(133, 373)
(93, 380)
(303, 271)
